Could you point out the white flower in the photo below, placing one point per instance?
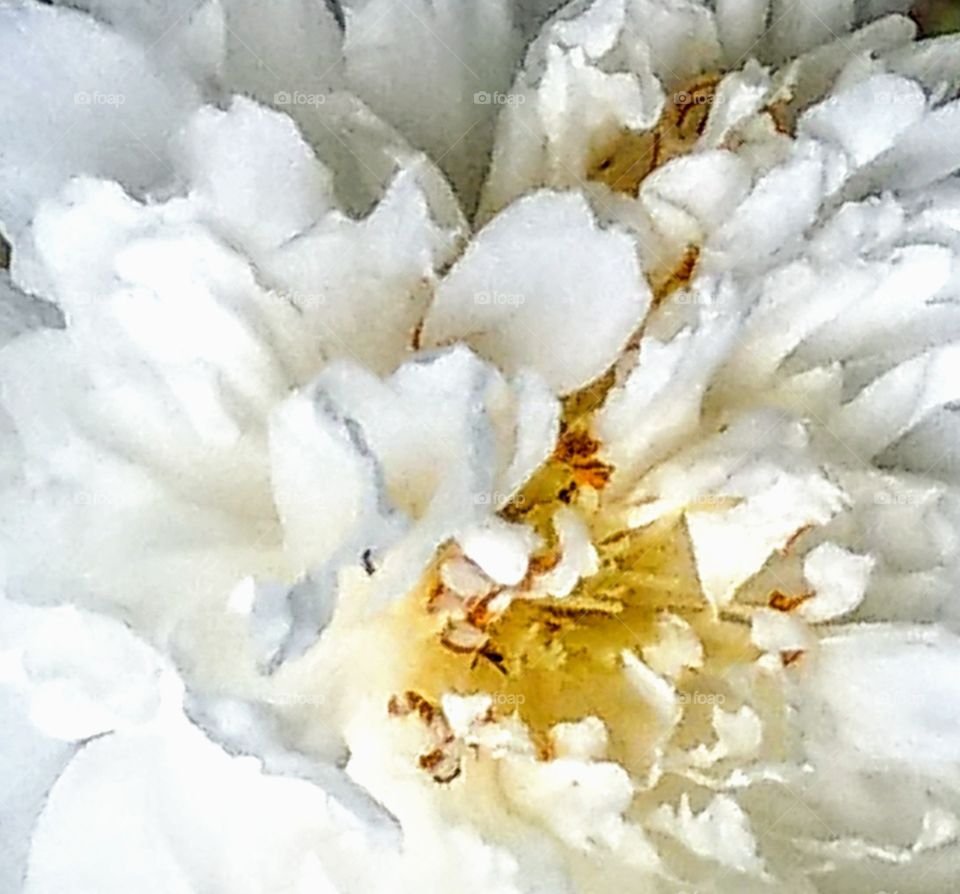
(447, 447)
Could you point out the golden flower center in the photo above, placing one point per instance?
(624, 161)
(553, 660)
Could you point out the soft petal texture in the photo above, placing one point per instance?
(231, 187)
(434, 446)
(798, 27)
(760, 227)
(436, 63)
(116, 119)
(839, 579)
(883, 107)
(681, 35)
(531, 282)
(719, 832)
(578, 556)
(327, 484)
(659, 402)
(577, 90)
(183, 809)
(187, 35)
(885, 695)
(739, 512)
(362, 287)
(276, 54)
(500, 550)
(19, 313)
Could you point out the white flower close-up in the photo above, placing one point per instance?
(479, 446)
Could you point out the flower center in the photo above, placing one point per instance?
(624, 161)
(559, 659)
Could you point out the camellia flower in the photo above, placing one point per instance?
(479, 447)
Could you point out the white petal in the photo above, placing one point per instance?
(930, 62)
(739, 734)
(29, 765)
(939, 827)
(326, 482)
(577, 90)
(365, 155)
(763, 225)
(362, 286)
(742, 24)
(190, 816)
(20, 313)
(253, 175)
(581, 802)
(677, 647)
(429, 425)
(585, 739)
(691, 196)
(655, 690)
(868, 118)
(443, 431)
(147, 279)
(420, 66)
(537, 429)
(274, 54)
(884, 695)
(681, 35)
(530, 285)
(659, 404)
(594, 26)
(65, 117)
(731, 545)
(927, 153)
(798, 27)
(186, 34)
(839, 579)
(739, 95)
(761, 464)
(896, 320)
(580, 104)
(82, 488)
(900, 400)
(872, 299)
(578, 556)
(721, 832)
(465, 712)
(500, 549)
(83, 674)
(774, 631)
(465, 578)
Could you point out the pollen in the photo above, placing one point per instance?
(553, 660)
(624, 161)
